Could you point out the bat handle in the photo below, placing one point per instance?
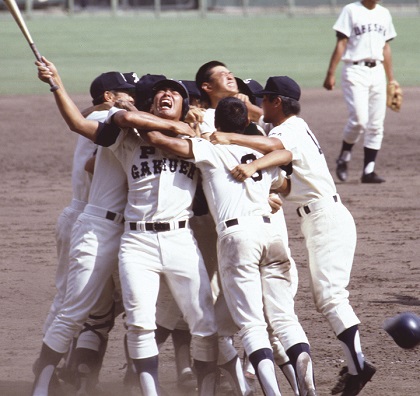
(53, 85)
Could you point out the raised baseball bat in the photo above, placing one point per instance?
(14, 10)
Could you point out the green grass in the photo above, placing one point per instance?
(256, 47)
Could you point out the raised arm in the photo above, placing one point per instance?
(68, 109)
(122, 119)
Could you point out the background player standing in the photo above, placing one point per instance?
(364, 29)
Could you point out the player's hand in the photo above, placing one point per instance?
(329, 82)
(220, 138)
(242, 97)
(125, 104)
(243, 171)
(275, 202)
(182, 128)
(194, 118)
(47, 70)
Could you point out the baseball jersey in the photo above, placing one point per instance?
(367, 30)
(226, 197)
(310, 178)
(80, 179)
(207, 126)
(109, 183)
(150, 175)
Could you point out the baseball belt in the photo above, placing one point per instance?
(367, 63)
(105, 214)
(157, 226)
(316, 205)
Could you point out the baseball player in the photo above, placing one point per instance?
(327, 225)
(364, 30)
(216, 82)
(93, 253)
(251, 255)
(155, 223)
(105, 89)
(80, 181)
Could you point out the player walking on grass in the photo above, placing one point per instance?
(253, 261)
(327, 225)
(157, 240)
(364, 30)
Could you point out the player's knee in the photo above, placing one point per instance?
(205, 348)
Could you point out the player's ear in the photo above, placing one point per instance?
(109, 96)
(206, 87)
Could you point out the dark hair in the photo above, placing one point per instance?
(231, 115)
(203, 75)
(289, 105)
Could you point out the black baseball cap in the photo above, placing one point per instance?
(173, 84)
(110, 81)
(249, 87)
(191, 88)
(177, 86)
(282, 86)
(131, 77)
(144, 92)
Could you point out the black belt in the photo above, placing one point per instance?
(111, 216)
(366, 63)
(234, 222)
(307, 210)
(158, 226)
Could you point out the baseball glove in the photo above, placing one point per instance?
(394, 96)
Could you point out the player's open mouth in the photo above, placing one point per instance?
(166, 103)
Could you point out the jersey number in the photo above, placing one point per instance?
(314, 140)
(246, 159)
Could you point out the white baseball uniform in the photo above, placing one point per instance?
(279, 221)
(158, 242)
(253, 261)
(93, 252)
(80, 181)
(327, 225)
(363, 75)
(207, 126)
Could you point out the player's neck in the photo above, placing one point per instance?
(281, 118)
(369, 4)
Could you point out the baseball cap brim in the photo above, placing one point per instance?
(260, 94)
(173, 84)
(123, 87)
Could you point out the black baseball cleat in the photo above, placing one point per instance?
(341, 170)
(351, 385)
(372, 178)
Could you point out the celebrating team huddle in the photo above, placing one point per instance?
(176, 223)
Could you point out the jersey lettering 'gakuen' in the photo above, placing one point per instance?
(370, 27)
(159, 165)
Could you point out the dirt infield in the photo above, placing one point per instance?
(35, 159)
